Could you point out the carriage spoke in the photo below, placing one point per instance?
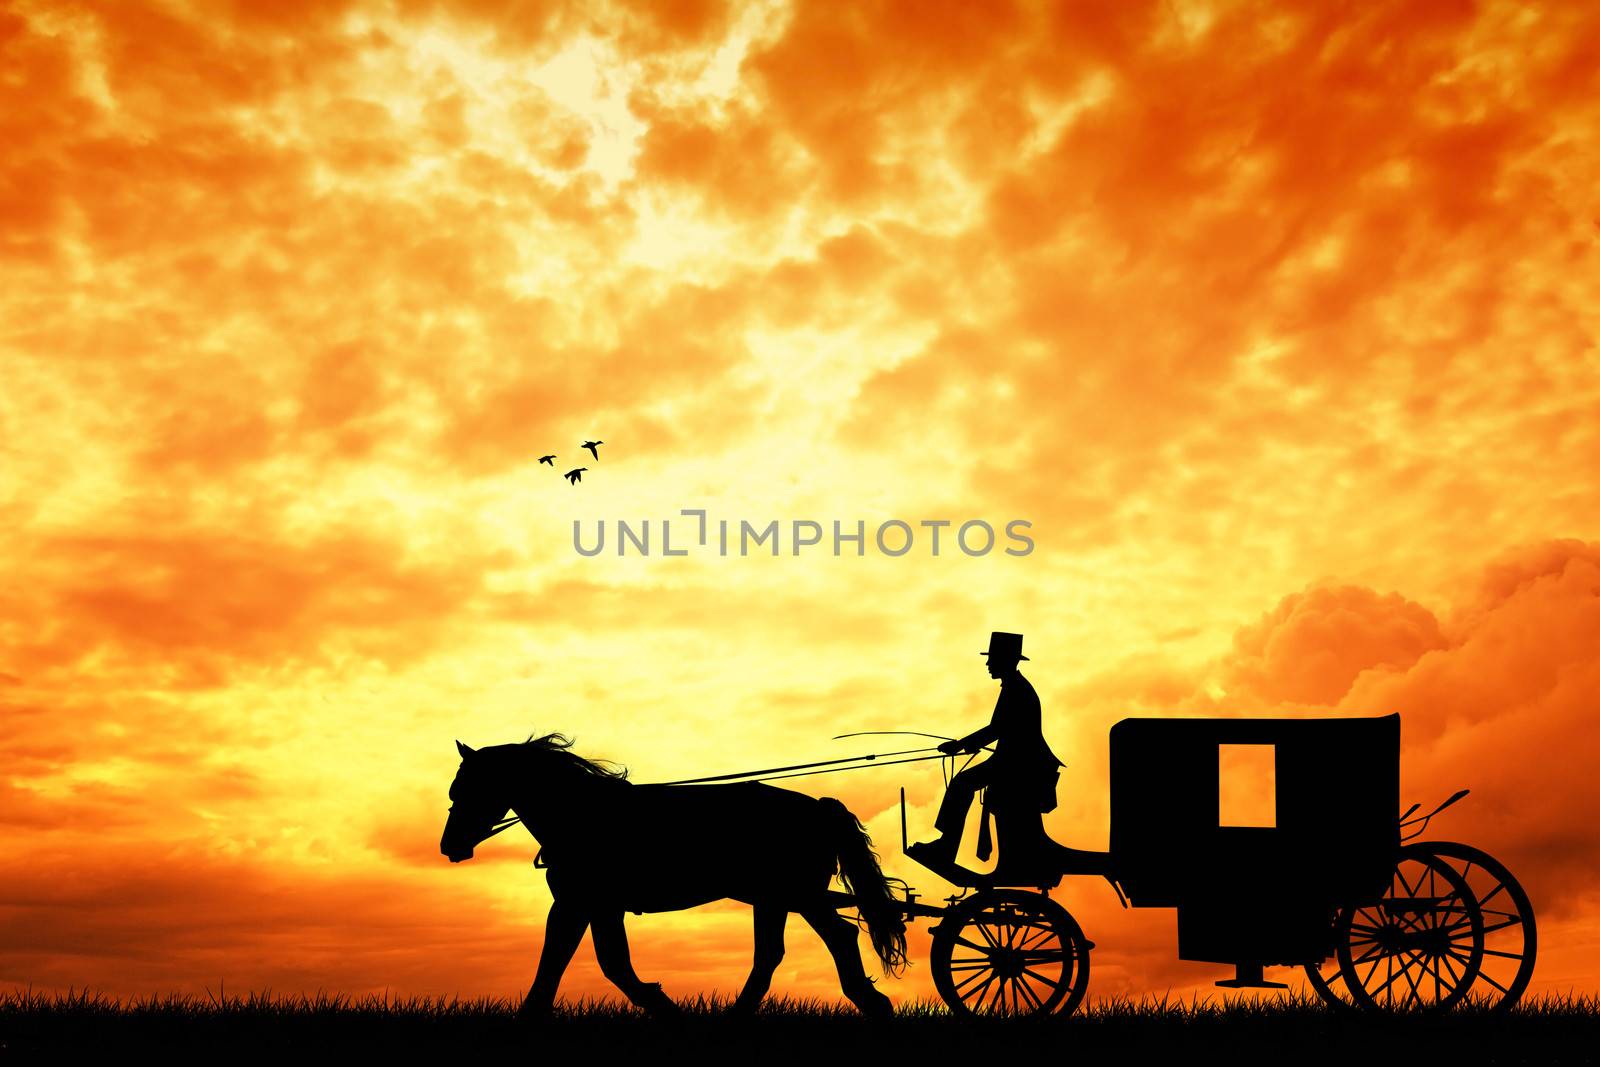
(1371, 940)
(1043, 957)
(1502, 955)
(1388, 981)
(977, 994)
(1442, 987)
(1013, 997)
(1405, 972)
(1036, 935)
(1487, 977)
(997, 1004)
(1415, 972)
(1408, 920)
(1496, 892)
(969, 979)
(1052, 983)
(1044, 954)
(1372, 970)
(1376, 951)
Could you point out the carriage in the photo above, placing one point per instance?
(1331, 880)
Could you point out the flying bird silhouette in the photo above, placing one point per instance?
(593, 451)
(575, 476)
(550, 459)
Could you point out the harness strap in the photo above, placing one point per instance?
(775, 771)
(503, 824)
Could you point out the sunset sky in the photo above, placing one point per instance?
(1277, 322)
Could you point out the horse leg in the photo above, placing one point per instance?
(769, 921)
(611, 949)
(563, 930)
(840, 937)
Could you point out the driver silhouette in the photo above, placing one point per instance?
(1019, 779)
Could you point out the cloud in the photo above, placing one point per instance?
(1507, 709)
(190, 606)
(1310, 649)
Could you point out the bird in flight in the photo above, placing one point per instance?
(550, 459)
(593, 451)
(575, 476)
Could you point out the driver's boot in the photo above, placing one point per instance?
(940, 852)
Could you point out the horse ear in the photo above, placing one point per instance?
(463, 749)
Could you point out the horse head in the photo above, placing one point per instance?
(479, 800)
(532, 776)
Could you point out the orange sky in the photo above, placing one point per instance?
(1276, 321)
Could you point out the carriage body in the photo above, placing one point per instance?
(1255, 895)
(1322, 878)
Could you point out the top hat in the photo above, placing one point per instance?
(1004, 646)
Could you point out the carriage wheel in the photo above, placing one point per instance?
(1510, 937)
(1010, 952)
(1420, 947)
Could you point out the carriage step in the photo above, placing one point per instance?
(1249, 976)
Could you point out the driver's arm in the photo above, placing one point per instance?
(973, 741)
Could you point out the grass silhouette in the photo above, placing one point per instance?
(260, 1026)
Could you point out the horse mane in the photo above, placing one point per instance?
(559, 746)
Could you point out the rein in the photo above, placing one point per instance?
(803, 768)
(796, 770)
(503, 824)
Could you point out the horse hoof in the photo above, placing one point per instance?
(875, 1005)
(532, 1014)
(658, 1003)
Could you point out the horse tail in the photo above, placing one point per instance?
(861, 875)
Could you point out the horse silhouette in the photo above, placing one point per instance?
(611, 846)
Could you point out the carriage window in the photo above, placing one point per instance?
(1247, 785)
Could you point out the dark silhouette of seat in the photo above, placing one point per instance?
(611, 847)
